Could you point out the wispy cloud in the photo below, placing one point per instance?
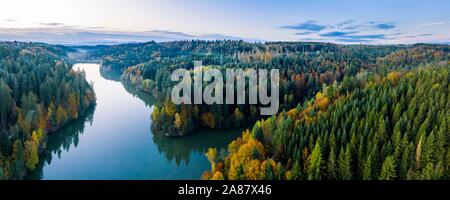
(416, 36)
(63, 34)
(51, 24)
(345, 23)
(435, 24)
(305, 33)
(337, 34)
(349, 31)
(385, 26)
(10, 20)
(306, 26)
(353, 36)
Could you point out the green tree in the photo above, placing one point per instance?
(5, 103)
(315, 163)
(388, 171)
(331, 166)
(344, 163)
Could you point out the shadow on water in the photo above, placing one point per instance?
(181, 148)
(60, 141)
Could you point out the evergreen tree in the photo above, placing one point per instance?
(388, 171)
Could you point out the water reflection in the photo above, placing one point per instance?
(62, 140)
(180, 148)
(113, 141)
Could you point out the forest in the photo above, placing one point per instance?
(305, 68)
(347, 111)
(366, 112)
(39, 93)
(386, 128)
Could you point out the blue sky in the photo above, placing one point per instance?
(119, 21)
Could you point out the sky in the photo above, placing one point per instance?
(87, 22)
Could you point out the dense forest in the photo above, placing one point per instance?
(387, 127)
(39, 94)
(347, 111)
(305, 68)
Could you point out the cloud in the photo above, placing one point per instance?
(313, 39)
(424, 35)
(385, 26)
(371, 37)
(368, 25)
(348, 31)
(95, 27)
(306, 26)
(350, 36)
(66, 35)
(305, 33)
(165, 32)
(51, 24)
(416, 36)
(350, 21)
(435, 24)
(337, 34)
(10, 20)
(349, 40)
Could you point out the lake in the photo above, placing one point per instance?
(113, 141)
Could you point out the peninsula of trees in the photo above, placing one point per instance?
(305, 69)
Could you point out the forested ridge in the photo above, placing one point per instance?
(39, 93)
(347, 111)
(386, 127)
(305, 68)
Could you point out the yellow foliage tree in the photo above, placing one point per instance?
(244, 155)
(252, 170)
(322, 101)
(178, 121)
(218, 176)
(73, 106)
(61, 115)
(170, 108)
(31, 154)
(393, 76)
(211, 154)
(156, 114)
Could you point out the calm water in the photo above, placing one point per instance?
(114, 141)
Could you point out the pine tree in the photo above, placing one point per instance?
(315, 163)
(388, 171)
(5, 103)
(257, 132)
(367, 171)
(344, 163)
(331, 166)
